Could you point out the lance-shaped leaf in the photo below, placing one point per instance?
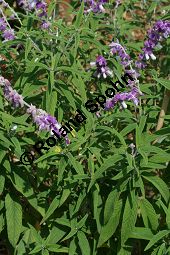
(14, 219)
(129, 217)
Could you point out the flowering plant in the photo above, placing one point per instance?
(104, 188)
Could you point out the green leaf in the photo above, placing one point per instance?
(163, 82)
(34, 235)
(153, 6)
(80, 15)
(80, 85)
(14, 219)
(77, 166)
(49, 153)
(138, 137)
(142, 123)
(129, 217)
(110, 203)
(68, 95)
(168, 216)
(141, 233)
(65, 195)
(83, 243)
(156, 238)
(73, 247)
(52, 102)
(149, 215)
(36, 249)
(71, 233)
(51, 209)
(21, 182)
(160, 158)
(57, 248)
(109, 162)
(81, 223)
(2, 155)
(2, 222)
(28, 47)
(115, 132)
(109, 229)
(162, 249)
(125, 251)
(160, 185)
(45, 252)
(62, 167)
(155, 251)
(128, 129)
(56, 233)
(2, 182)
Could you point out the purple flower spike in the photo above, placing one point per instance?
(159, 31)
(122, 97)
(102, 68)
(40, 7)
(11, 95)
(43, 120)
(125, 60)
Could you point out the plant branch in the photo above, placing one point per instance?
(163, 109)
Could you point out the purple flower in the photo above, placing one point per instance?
(140, 64)
(41, 5)
(94, 6)
(102, 68)
(133, 73)
(8, 35)
(116, 48)
(45, 24)
(122, 97)
(27, 5)
(40, 8)
(159, 31)
(10, 94)
(3, 24)
(45, 121)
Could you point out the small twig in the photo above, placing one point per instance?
(163, 109)
(5, 18)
